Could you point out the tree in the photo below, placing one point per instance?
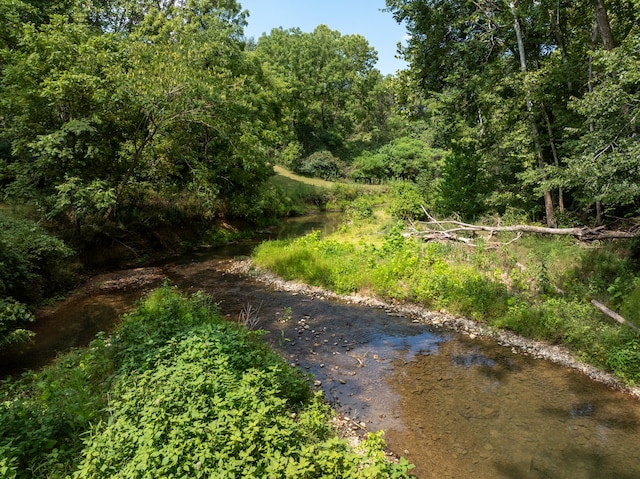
(96, 118)
(324, 80)
(605, 164)
(510, 77)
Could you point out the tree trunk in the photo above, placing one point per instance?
(554, 17)
(604, 27)
(548, 200)
(594, 38)
(556, 158)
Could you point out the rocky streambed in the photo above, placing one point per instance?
(445, 321)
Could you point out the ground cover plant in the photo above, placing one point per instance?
(33, 263)
(175, 392)
(539, 287)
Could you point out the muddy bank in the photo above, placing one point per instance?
(536, 349)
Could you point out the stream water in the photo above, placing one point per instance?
(456, 408)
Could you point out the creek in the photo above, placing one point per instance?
(455, 407)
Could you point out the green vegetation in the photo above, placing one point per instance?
(175, 392)
(538, 100)
(141, 123)
(537, 287)
(33, 264)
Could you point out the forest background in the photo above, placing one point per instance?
(121, 120)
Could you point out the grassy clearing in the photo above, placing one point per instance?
(285, 174)
(175, 392)
(300, 193)
(292, 178)
(537, 287)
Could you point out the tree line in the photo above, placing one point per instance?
(107, 104)
(521, 104)
(537, 100)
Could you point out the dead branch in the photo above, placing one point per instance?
(249, 316)
(614, 315)
(434, 229)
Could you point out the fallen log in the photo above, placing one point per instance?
(450, 229)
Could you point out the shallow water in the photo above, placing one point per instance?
(478, 410)
(454, 407)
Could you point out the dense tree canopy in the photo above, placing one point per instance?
(106, 103)
(548, 95)
(327, 84)
(99, 110)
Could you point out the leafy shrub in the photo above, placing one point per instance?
(361, 208)
(369, 168)
(405, 201)
(32, 264)
(631, 302)
(603, 272)
(175, 392)
(463, 183)
(321, 164)
(265, 205)
(12, 315)
(405, 158)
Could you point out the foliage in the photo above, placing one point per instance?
(321, 164)
(32, 264)
(175, 391)
(405, 201)
(12, 316)
(604, 164)
(549, 102)
(326, 83)
(405, 158)
(463, 185)
(361, 208)
(91, 134)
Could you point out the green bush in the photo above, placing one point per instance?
(631, 302)
(405, 201)
(32, 264)
(321, 164)
(175, 392)
(463, 185)
(13, 315)
(361, 208)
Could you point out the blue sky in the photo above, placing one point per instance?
(347, 16)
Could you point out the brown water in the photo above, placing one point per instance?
(476, 410)
(456, 408)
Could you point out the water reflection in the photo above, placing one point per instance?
(497, 415)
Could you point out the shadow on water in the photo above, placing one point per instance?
(456, 408)
(70, 324)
